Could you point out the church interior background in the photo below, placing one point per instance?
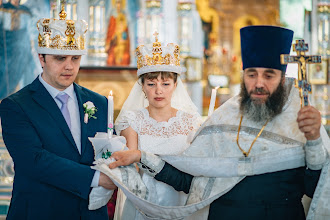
(206, 30)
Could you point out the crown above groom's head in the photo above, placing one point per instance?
(61, 36)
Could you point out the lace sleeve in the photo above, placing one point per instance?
(128, 119)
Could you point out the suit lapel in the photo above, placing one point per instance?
(82, 97)
(45, 100)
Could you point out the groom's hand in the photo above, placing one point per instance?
(124, 158)
(106, 182)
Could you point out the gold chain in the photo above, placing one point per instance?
(246, 154)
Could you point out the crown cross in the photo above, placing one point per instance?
(62, 12)
(156, 35)
(166, 58)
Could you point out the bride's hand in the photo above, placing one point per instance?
(124, 158)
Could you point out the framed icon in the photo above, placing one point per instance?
(318, 73)
(194, 69)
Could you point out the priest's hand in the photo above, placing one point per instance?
(124, 158)
(309, 122)
(106, 182)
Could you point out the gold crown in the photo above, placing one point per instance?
(151, 59)
(62, 37)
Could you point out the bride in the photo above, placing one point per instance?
(157, 117)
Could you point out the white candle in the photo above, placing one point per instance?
(212, 101)
(110, 114)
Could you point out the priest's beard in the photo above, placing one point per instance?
(261, 111)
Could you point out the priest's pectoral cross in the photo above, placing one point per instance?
(304, 87)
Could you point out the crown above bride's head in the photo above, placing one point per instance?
(158, 58)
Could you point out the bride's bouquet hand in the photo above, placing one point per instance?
(103, 148)
(125, 158)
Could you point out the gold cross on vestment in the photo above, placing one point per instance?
(300, 47)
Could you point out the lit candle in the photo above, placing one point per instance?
(212, 101)
(110, 114)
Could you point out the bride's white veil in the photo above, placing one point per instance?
(157, 58)
(136, 100)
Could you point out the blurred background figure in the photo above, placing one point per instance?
(18, 58)
(15, 46)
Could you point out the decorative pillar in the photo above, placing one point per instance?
(324, 28)
(319, 74)
(190, 39)
(157, 15)
(70, 8)
(96, 32)
(153, 21)
(170, 22)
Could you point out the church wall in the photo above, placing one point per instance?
(245, 12)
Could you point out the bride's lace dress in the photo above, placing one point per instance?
(162, 138)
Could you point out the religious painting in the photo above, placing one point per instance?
(15, 45)
(318, 72)
(18, 41)
(117, 41)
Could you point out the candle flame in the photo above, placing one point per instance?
(110, 93)
(216, 87)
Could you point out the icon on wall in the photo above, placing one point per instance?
(318, 73)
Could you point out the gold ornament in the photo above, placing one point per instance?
(171, 58)
(246, 154)
(54, 39)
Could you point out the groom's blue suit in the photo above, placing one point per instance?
(52, 180)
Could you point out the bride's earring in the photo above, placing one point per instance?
(145, 96)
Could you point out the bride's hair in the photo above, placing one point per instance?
(154, 75)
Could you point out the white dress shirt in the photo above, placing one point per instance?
(74, 117)
(72, 106)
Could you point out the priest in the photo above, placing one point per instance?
(257, 155)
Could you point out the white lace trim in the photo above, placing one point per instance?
(182, 124)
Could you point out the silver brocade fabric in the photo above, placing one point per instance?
(215, 157)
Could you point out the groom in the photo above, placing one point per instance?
(265, 151)
(46, 135)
